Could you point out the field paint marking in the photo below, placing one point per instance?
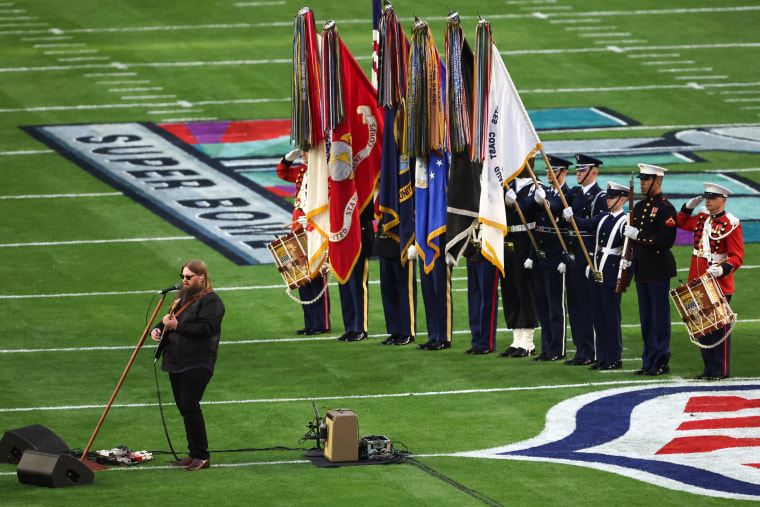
(294, 340)
(95, 241)
(676, 381)
(55, 196)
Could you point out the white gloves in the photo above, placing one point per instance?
(412, 253)
(528, 264)
(715, 271)
(588, 270)
(302, 220)
(561, 268)
(539, 195)
(567, 213)
(631, 232)
(510, 197)
(291, 156)
(625, 264)
(693, 203)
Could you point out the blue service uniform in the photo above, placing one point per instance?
(654, 265)
(603, 300)
(585, 204)
(548, 283)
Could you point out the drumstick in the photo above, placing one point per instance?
(288, 225)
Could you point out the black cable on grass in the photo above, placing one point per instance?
(475, 494)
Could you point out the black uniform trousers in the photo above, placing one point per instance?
(518, 303)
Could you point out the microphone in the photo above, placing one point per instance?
(173, 287)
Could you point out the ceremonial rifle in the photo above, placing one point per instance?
(622, 278)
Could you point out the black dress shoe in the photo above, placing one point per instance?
(313, 331)
(391, 340)
(357, 337)
(508, 353)
(596, 366)
(304, 330)
(541, 357)
(615, 365)
(641, 371)
(468, 351)
(521, 352)
(423, 346)
(657, 370)
(554, 358)
(404, 340)
(345, 336)
(481, 352)
(705, 376)
(436, 346)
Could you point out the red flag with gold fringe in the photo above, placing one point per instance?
(355, 152)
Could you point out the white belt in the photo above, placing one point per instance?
(610, 251)
(521, 228)
(715, 258)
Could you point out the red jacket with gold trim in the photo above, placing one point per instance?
(726, 244)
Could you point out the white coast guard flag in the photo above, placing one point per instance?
(316, 208)
(511, 142)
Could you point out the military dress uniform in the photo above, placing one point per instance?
(718, 241)
(436, 296)
(517, 283)
(603, 299)
(548, 282)
(316, 315)
(654, 265)
(586, 203)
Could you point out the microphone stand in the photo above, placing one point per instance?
(91, 464)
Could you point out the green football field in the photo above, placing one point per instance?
(668, 83)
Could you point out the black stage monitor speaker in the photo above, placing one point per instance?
(52, 470)
(36, 436)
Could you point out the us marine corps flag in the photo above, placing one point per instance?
(503, 139)
(357, 125)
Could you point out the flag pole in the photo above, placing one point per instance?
(555, 183)
(546, 204)
(527, 229)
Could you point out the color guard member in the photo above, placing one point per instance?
(718, 250)
(603, 300)
(586, 200)
(653, 233)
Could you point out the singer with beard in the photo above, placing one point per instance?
(192, 338)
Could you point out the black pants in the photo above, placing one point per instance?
(188, 388)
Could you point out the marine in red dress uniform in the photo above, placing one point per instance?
(316, 315)
(718, 250)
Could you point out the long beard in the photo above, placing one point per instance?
(186, 294)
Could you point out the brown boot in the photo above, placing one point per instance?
(198, 464)
(183, 462)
